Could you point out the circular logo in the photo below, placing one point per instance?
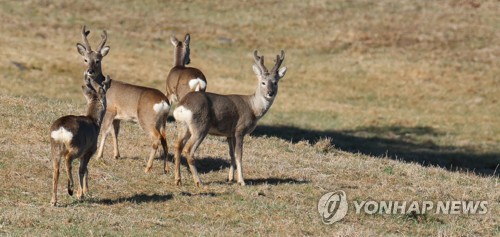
(333, 207)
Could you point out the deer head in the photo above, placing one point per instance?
(268, 80)
(181, 50)
(93, 58)
(96, 99)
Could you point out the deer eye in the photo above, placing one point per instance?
(85, 60)
(263, 83)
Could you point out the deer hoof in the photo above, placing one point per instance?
(178, 182)
(147, 170)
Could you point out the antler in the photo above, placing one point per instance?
(85, 40)
(259, 62)
(104, 37)
(279, 60)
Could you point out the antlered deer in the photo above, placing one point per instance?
(148, 106)
(181, 79)
(73, 137)
(232, 116)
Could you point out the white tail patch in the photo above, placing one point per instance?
(183, 114)
(197, 84)
(61, 135)
(161, 107)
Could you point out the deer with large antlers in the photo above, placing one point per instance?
(73, 137)
(231, 116)
(147, 106)
(181, 79)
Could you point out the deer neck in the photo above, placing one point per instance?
(259, 103)
(178, 57)
(99, 78)
(95, 111)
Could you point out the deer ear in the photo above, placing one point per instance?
(81, 49)
(257, 71)
(174, 41)
(87, 92)
(187, 39)
(107, 83)
(105, 50)
(281, 72)
(86, 79)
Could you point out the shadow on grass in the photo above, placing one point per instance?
(207, 164)
(406, 144)
(265, 181)
(137, 198)
(274, 181)
(203, 194)
(133, 158)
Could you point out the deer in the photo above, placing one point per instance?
(231, 116)
(75, 137)
(181, 79)
(147, 106)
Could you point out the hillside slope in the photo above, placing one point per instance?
(385, 100)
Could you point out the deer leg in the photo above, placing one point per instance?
(70, 175)
(81, 176)
(230, 142)
(115, 131)
(156, 139)
(103, 141)
(239, 157)
(55, 162)
(163, 140)
(106, 128)
(86, 181)
(190, 148)
(182, 137)
(86, 174)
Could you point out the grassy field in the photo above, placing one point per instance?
(386, 100)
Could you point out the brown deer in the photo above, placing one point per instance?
(181, 79)
(232, 116)
(147, 106)
(73, 137)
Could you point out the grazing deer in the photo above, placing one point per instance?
(74, 137)
(232, 116)
(181, 79)
(147, 106)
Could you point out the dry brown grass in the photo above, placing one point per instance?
(374, 89)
